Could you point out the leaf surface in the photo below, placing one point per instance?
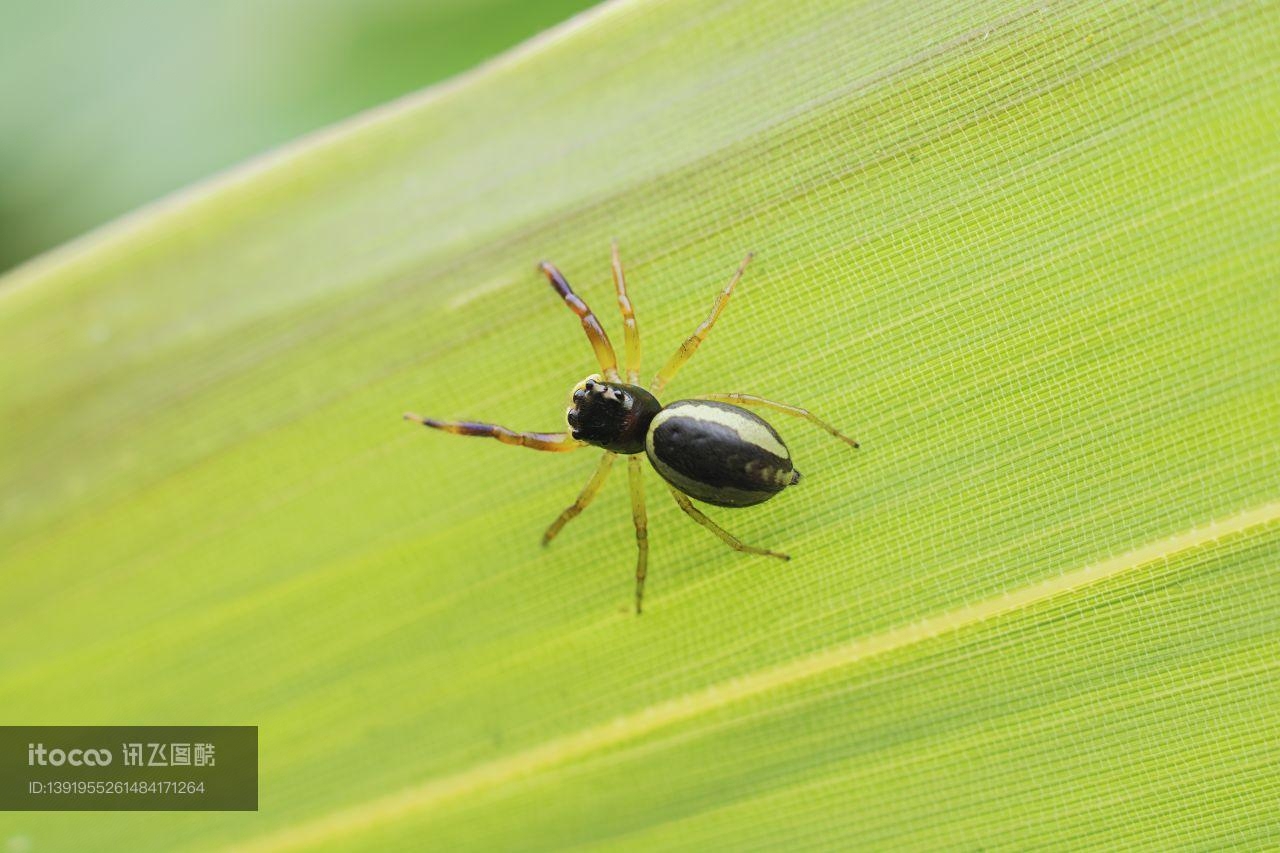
(1026, 253)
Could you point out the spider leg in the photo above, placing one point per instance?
(641, 520)
(595, 332)
(691, 343)
(554, 442)
(728, 538)
(786, 409)
(588, 494)
(628, 318)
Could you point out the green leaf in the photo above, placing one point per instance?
(1027, 254)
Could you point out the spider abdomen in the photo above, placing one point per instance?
(718, 453)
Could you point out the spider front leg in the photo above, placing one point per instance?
(641, 520)
(630, 328)
(784, 408)
(728, 538)
(552, 442)
(639, 517)
(595, 332)
(588, 494)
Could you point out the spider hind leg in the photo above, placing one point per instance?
(785, 408)
(725, 536)
(691, 343)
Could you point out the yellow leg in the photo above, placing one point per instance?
(628, 318)
(728, 538)
(691, 343)
(794, 411)
(641, 520)
(588, 494)
(554, 442)
(595, 332)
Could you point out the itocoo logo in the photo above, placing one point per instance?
(38, 755)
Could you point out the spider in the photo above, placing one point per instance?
(707, 448)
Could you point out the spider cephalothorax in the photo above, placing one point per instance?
(708, 448)
(612, 415)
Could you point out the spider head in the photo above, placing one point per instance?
(611, 415)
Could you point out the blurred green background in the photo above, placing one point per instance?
(107, 106)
